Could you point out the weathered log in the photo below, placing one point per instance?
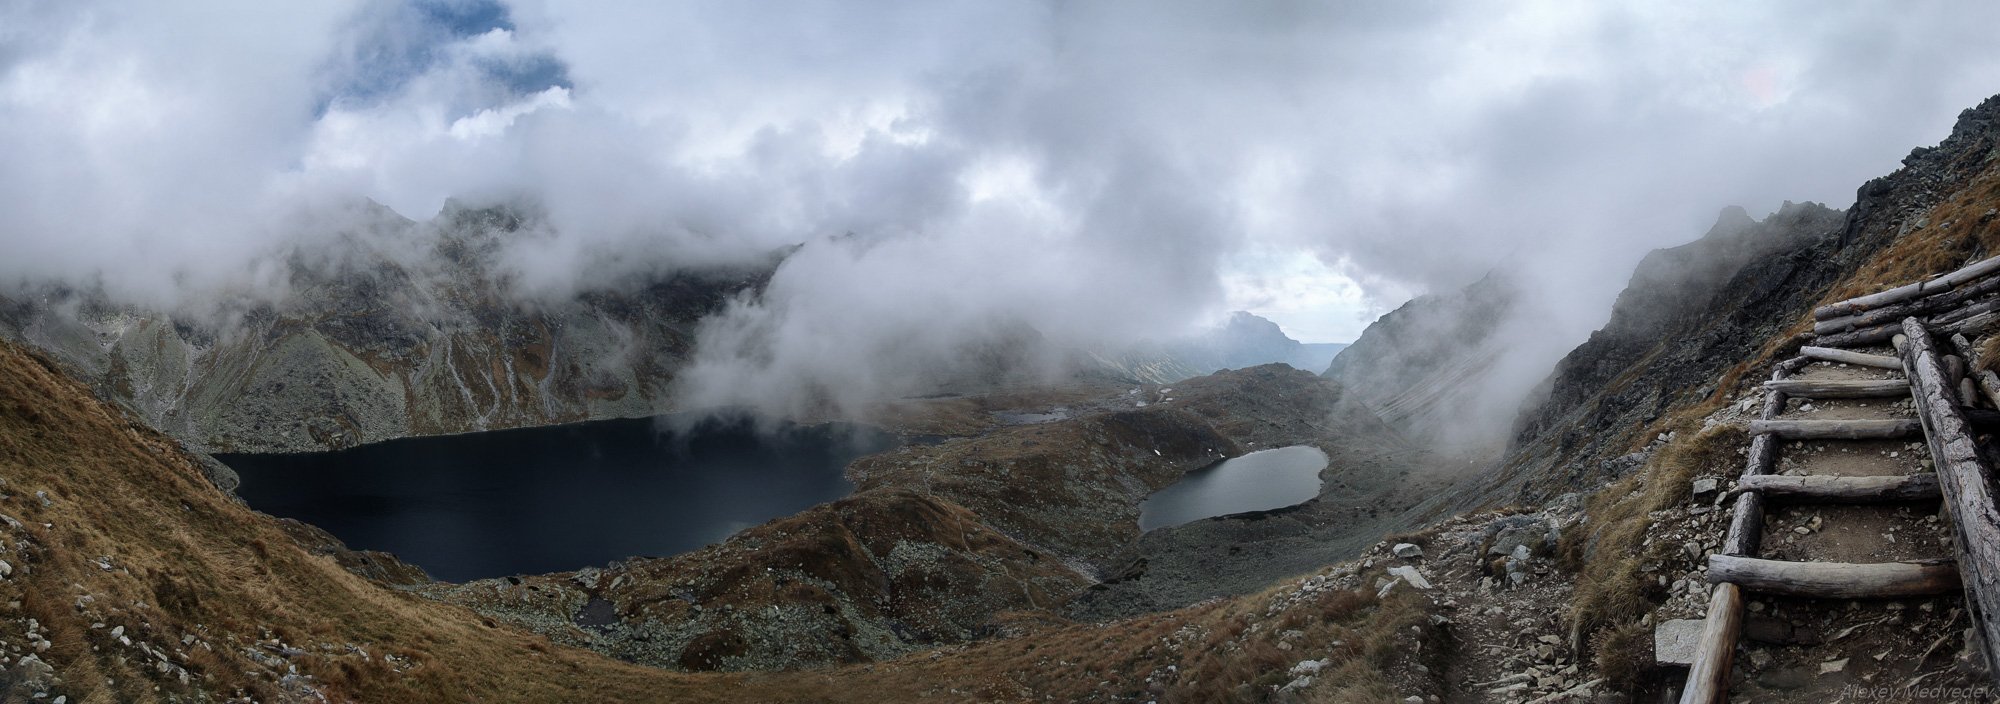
(1922, 306)
(1842, 490)
(1746, 525)
(1967, 273)
(1862, 388)
(1967, 485)
(1954, 317)
(1863, 359)
(1871, 301)
(1836, 429)
(1795, 364)
(1857, 338)
(1708, 677)
(1836, 580)
(1988, 382)
(1976, 325)
(1905, 292)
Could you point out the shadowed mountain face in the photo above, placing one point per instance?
(372, 342)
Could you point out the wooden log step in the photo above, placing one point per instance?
(1863, 359)
(1966, 274)
(1906, 292)
(1863, 388)
(1954, 317)
(1860, 304)
(1836, 580)
(1940, 303)
(1843, 490)
(1976, 325)
(1857, 338)
(1837, 429)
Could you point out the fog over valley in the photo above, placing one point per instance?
(956, 172)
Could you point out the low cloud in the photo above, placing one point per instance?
(958, 173)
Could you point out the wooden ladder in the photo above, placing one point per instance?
(1939, 387)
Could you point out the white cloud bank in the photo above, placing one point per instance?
(1095, 171)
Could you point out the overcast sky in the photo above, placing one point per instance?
(1092, 169)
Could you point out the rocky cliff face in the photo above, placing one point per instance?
(368, 346)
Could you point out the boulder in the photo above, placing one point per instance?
(29, 676)
(1675, 641)
(1406, 551)
(1510, 532)
(1705, 487)
(1410, 574)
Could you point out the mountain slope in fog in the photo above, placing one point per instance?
(1419, 366)
(1699, 318)
(372, 342)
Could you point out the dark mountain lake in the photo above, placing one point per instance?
(1258, 481)
(556, 498)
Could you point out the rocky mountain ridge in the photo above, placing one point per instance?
(1699, 319)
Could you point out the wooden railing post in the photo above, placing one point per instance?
(1966, 482)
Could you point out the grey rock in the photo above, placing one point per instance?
(1410, 574)
(29, 676)
(1406, 550)
(1674, 641)
(1511, 532)
(1309, 667)
(1704, 486)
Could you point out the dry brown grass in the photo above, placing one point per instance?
(186, 560)
(1624, 655)
(1611, 591)
(1957, 231)
(1221, 651)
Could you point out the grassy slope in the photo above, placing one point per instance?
(228, 599)
(187, 561)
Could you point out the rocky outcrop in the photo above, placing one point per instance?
(370, 345)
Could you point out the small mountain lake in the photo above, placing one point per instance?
(556, 498)
(1259, 481)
